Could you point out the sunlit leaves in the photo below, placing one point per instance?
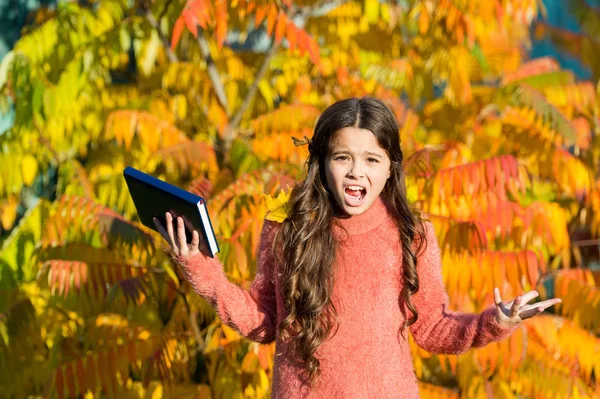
(278, 207)
(275, 130)
(501, 155)
(205, 14)
(594, 206)
(581, 301)
(153, 132)
(476, 274)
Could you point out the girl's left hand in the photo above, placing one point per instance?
(514, 312)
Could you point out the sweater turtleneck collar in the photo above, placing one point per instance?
(366, 221)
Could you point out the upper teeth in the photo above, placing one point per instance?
(356, 188)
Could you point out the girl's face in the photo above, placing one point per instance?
(356, 169)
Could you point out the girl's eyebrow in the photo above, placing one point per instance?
(374, 154)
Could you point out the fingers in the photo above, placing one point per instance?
(195, 239)
(535, 309)
(497, 299)
(547, 303)
(161, 230)
(526, 314)
(169, 219)
(182, 240)
(514, 310)
(528, 296)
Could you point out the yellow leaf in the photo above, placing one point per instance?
(8, 212)
(278, 207)
(29, 168)
(155, 390)
(267, 92)
(372, 10)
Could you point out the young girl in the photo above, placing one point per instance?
(351, 268)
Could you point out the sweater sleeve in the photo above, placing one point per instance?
(252, 313)
(438, 329)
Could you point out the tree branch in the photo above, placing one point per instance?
(164, 11)
(211, 69)
(237, 118)
(163, 38)
(196, 330)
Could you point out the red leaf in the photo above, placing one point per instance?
(59, 383)
(131, 352)
(70, 379)
(79, 371)
(491, 176)
(475, 178)
(102, 371)
(112, 369)
(202, 10)
(190, 22)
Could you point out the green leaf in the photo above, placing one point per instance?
(550, 79)
(242, 158)
(480, 57)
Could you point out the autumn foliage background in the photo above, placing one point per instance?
(501, 151)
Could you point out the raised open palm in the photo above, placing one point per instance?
(514, 312)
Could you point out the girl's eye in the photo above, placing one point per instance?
(341, 157)
(373, 160)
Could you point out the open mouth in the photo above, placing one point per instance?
(354, 195)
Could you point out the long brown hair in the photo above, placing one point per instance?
(308, 248)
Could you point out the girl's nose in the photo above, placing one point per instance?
(357, 169)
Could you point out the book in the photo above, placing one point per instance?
(153, 198)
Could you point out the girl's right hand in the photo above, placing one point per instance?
(179, 245)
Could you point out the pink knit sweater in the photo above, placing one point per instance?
(368, 357)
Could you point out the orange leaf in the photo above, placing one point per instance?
(177, 31)
(290, 35)
(423, 21)
(280, 28)
(533, 270)
(221, 22)
(249, 363)
(202, 10)
(190, 22)
(498, 271)
(512, 272)
(261, 12)
(265, 358)
(522, 260)
(271, 19)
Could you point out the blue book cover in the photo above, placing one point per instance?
(154, 197)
